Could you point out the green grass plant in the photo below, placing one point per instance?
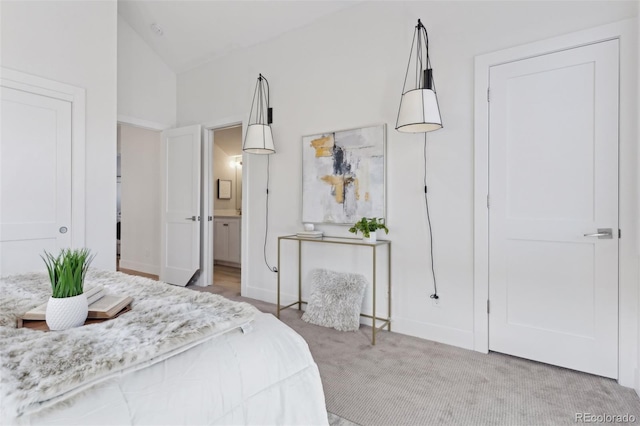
(368, 225)
(67, 271)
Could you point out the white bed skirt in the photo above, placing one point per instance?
(264, 377)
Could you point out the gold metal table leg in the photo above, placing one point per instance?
(373, 327)
(389, 284)
(299, 275)
(278, 306)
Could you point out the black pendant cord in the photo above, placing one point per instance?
(423, 61)
(263, 101)
(260, 100)
(426, 202)
(266, 228)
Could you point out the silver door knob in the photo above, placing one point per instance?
(193, 218)
(63, 229)
(602, 234)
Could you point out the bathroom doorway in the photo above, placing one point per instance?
(226, 181)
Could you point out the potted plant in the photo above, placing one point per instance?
(67, 306)
(368, 227)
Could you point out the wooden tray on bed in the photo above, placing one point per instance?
(42, 325)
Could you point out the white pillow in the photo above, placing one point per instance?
(336, 299)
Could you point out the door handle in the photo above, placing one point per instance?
(193, 218)
(602, 234)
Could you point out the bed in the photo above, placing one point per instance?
(178, 357)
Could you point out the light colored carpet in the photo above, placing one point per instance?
(409, 381)
(335, 420)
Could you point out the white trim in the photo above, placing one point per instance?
(147, 268)
(39, 85)
(145, 124)
(628, 312)
(206, 236)
(269, 296)
(77, 97)
(226, 263)
(434, 332)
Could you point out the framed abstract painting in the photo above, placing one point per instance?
(344, 176)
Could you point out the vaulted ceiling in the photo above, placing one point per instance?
(195, 32)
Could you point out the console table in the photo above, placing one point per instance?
(386, 322)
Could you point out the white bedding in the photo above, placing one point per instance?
(266, 376)
(178, 358)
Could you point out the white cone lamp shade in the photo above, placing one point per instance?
(259, 139)
(419, 112)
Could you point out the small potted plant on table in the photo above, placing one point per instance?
(368, 227)
(67, 307)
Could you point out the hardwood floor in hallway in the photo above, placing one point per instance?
(226, 277)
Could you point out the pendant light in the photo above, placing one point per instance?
(419, 111)
(259, 139)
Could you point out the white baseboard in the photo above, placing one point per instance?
(260, 294)
(428, 331)
(225, 263)
(140, 267)
(437, 333)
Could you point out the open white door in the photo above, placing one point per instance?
(180, 235)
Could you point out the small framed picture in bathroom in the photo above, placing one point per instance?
(224, 189)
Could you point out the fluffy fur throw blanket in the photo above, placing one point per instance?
(39, 369)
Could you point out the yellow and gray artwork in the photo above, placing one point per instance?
(343, 175)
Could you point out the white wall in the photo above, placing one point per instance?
(140, 187)
(222, 170)
(146, 85)
(75, 43)
(347, 71)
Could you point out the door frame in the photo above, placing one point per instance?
(128, 120)
(627, 184)
(77, 97)
(208, 196)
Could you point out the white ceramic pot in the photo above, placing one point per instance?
(66, 312)
(372, 238)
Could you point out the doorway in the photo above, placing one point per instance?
(138, 201)
(226, 181)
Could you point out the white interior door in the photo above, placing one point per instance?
(35, 179)
(180, 235)
(553, 156)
